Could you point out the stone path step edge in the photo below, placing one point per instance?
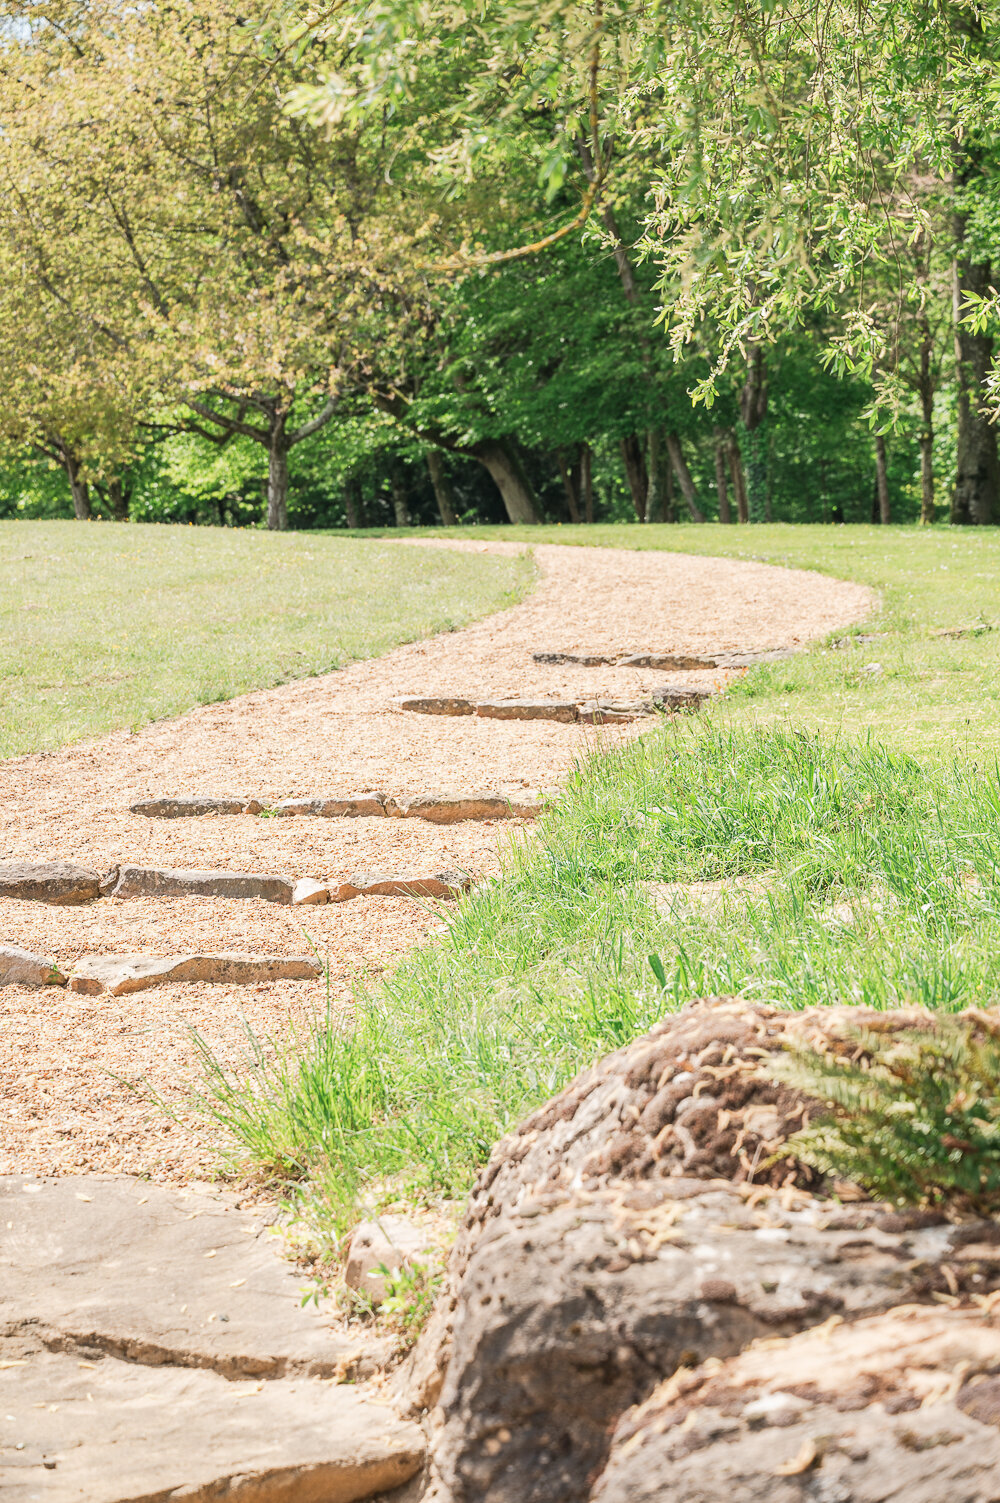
(670, 697)
(439, 808)
(667, 661)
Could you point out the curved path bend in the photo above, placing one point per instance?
(60, 1053)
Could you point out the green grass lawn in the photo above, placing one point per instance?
(104, 627)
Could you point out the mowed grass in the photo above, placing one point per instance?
(104, 627)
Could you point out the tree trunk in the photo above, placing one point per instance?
(353, 505)
(753, 411)
(78, 487)
(277, 477)
(570, 481)
(400, 499)
(636, 475)
(660, 496)
(118, 498)
(443, 493)
(721, 482)
(976, 478)
(882, 480)
(587, 481)
(500, 459)
(684, 478)
(739, 483)
(926, 390)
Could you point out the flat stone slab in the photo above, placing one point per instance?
(679, 697)
(562, 710)
(597, 712)
(118, 975)
(446, 884)
(680, 661)
(20, 968)
(349, 806)
(306, 891)
(450, 808)
(166, 882)
(58, 882)
(437, 706)
(109, 1431)
(159, 1274)
(193, 805)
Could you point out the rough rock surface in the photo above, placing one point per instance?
(57, 882)
(121, 974)
(349, 806)
(20, 968)
(389, 1242)
(165, 882)
(450, 808)
(898, 1408)
(528, 709)
(645, 1220)
(306, 892)
(191, 806)
(432, 706)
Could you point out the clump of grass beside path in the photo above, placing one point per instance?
(105, 627)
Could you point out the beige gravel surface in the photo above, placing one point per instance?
(64, 1059)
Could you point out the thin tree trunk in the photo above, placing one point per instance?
(277, 476)
(739, 482)
(684, 478)
(655, 496)
(882, 480)
(721, 482)
(569, 486)
(976, 478)
(400, 500)
(926, 391)
(500, 459)
(353, 505)
(78, 487)
(443, 493)
(636, 475)
(587, 481)
(753, 411)
(118, 497)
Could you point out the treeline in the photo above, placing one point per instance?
(359, 274)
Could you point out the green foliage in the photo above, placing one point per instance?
(410, 1292)
(916, 1113)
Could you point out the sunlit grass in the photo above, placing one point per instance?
(105, 627)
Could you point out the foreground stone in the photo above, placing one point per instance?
(643, 1221)
(900, 1406)
(669, 661)
(166, 882)
(190, 806)
(306, 891)
(20, 968)
(449, 808)
(564, 711)
(58, 882)
(446, 884)
(119, 975)
(391, 1242)
(154, 1344)
(350, 806)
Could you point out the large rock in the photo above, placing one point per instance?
(645, 1220)
(121, 974)
(348, 806)
(450, 808)
(446, 884)
(903, 1406)
(528, 709)
(58, 882)
(166, 882)
(188, 806)
(20, 968)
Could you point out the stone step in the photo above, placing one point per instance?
(57, 882)
(20, 968)
(440, 808)
(669, 661)
(166, 882)
(567, 712)
(154, 1344)
(119, 975)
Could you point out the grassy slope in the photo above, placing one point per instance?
(103, 627)
(881, 884)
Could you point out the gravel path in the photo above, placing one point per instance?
(64, 1059)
